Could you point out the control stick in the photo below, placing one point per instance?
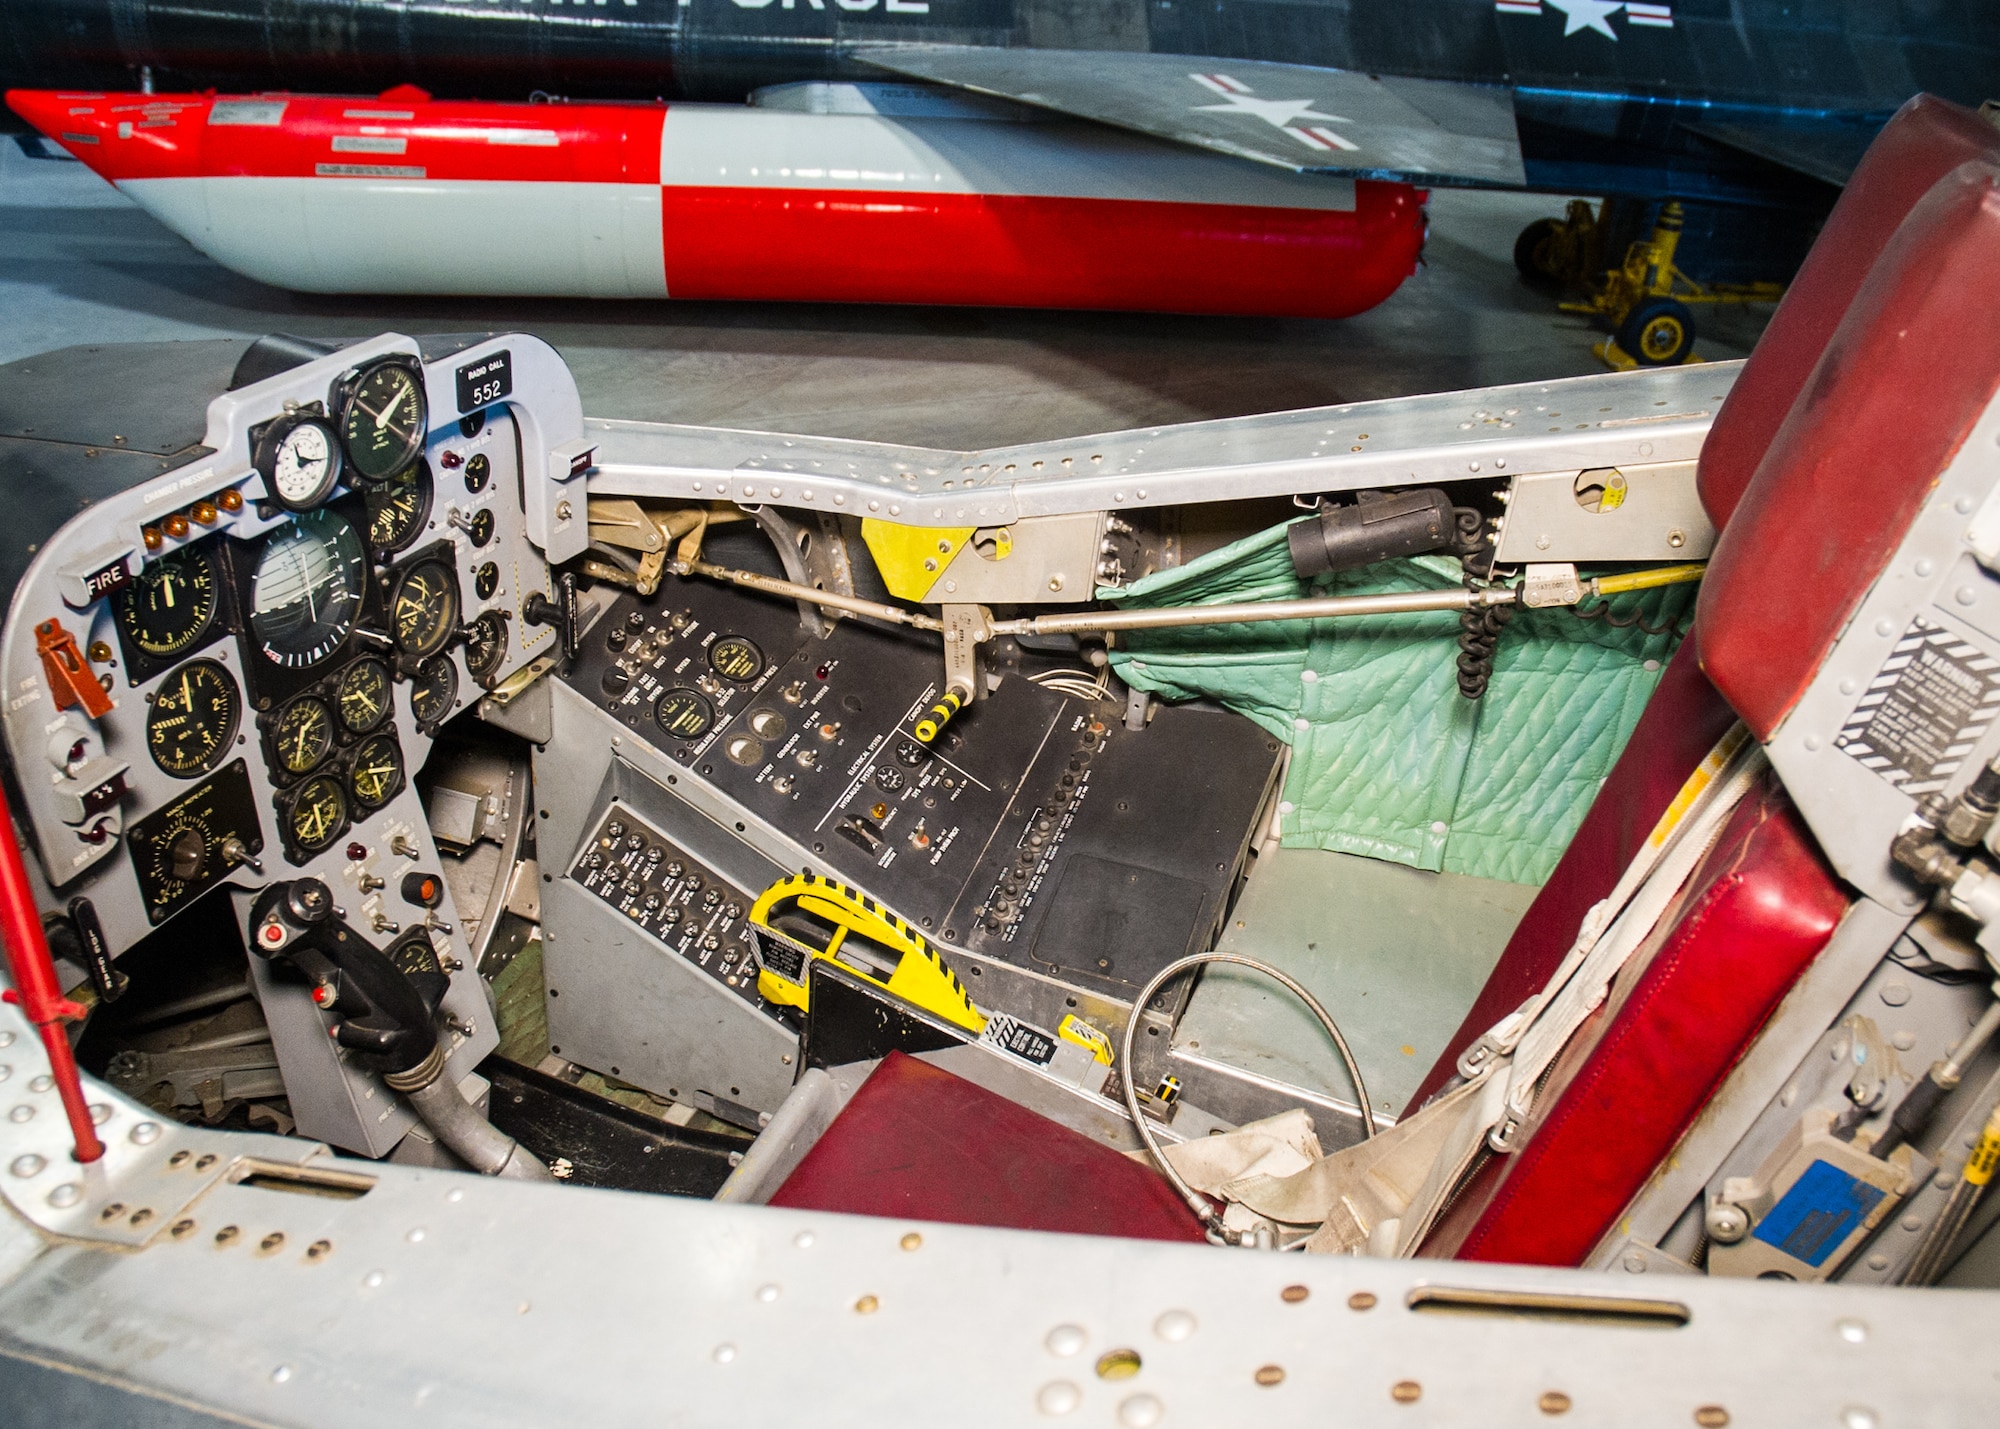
(386, 1005)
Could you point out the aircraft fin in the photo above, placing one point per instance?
(1293, 116)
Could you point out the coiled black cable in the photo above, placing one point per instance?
(1478, 639)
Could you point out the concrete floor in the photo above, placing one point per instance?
(81, 264)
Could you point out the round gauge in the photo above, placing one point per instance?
(316, 814)
(383, 420)
(735, 658)
(485, 647)
(424, 611)
(363, 695)
(300, 461)
(172, 603)
(398, 507)
(307, 590)
(192, 721)
(377, 772)
(684, 714)
(304, 734)
(433, 690)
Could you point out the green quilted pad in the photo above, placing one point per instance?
(1388, 759)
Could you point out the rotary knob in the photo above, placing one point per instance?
(187, 853)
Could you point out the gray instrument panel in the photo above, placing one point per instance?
(249, 733)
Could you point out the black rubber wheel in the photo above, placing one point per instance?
(1658, 333)
(1537, 254)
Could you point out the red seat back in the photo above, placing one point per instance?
(1883, 355)
(1927, 139)
(1908, 372)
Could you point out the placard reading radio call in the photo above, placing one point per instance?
(482, 383)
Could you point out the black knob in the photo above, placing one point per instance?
(308, 902)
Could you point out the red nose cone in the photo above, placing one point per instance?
(121, 136)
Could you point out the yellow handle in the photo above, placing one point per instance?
(1647, 580)
(1986, 1155)
(932, 724)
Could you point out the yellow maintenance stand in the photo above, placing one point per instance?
(1647, 302)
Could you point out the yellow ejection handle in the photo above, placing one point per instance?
(933, 722)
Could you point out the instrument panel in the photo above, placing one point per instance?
(229, 673)
(253, 650)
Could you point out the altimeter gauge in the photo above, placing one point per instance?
(299, 458)
(398, 508)
(191, 722)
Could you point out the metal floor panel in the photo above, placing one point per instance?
(1396, 954)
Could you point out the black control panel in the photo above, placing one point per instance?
(1036, 830)
(684, 904)
(183, 849)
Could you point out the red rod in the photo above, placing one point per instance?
(35, 991)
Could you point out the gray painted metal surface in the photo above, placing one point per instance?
(439, 1298)
(1290, 115)
(1571, 425)
(1397, 954)
(1932, 581)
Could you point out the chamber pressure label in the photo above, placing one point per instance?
(1924, 710)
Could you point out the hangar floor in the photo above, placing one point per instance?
(81, 264)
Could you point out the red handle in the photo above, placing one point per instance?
(35, 990)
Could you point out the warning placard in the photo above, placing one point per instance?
(1924, 710)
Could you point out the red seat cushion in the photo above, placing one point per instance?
(1909, 371)
(1928, 138)
(1681, 724)
(918, 1143)
(1757, 911)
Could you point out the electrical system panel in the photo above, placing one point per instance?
(227, 674)
(1054, 856)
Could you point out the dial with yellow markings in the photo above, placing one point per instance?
(397, 508)
(423, 613)
(363, 696)
(304, 734)
(316, 814)
(170, 606)
(377, 772)
(736, 659)
(192, 720)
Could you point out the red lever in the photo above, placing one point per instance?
(35, 991)
(69, 679)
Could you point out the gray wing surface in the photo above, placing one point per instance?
(1293, 116)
